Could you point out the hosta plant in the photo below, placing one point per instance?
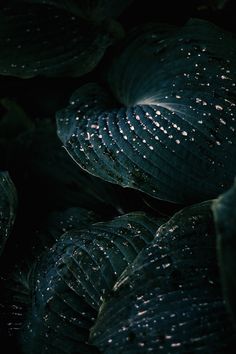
(117, 169)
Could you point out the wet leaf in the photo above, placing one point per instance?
(224, 209)
(169, 299)
(60, 222)
(169, 128)
(18, 287)
(8, 201)
(73, 277)
(38, 39)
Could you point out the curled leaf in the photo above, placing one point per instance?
(169, 128)
(224, 209)
(169, 299)
(18, 286)
(60, 222)
(8, 201)
(73, 278)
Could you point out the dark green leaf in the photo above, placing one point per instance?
(60, 222)
(44, 170)
(95, 10)
(37, 39)
(14, 121)
(224, 209)
(172, 134)
(73, 277)
(19, 286)
(8, 201)
(169, 300)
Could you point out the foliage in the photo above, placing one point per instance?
(117, 168)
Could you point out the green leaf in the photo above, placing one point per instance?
(169, 299)
(172, 132)
(74, 276)
(224, 209)
(8, 201)
(37, 39)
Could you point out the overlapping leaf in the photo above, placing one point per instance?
(14, 121)
(7, 207)
(56, 224)
(73, 278)
(225, 217)
(19, 286)
(169, 300)
(38, 39)
(44, 170)
(95, 10)
(60, 222)
(172, 132)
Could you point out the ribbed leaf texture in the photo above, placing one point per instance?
(168, 129)
(224, 209)
(72, 279)
(60, 222)
(169, 300)
(18, 287)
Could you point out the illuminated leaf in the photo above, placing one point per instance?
(169, 127)
(73, 277)
(169, 299)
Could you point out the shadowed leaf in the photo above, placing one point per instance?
(8, 201)
(95, 10)
(59, 180)
(14, 121)
(224, 209)
(37, 39)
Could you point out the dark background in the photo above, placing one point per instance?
(41, 97)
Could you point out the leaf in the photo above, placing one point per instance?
(73, 278)
(224, 209)
(95, 10)
(18, 285)
(169, 299)
(60, 222)
(8, 201)
(14, 121)
(37, 39)
(171, 133)
(44, 172)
